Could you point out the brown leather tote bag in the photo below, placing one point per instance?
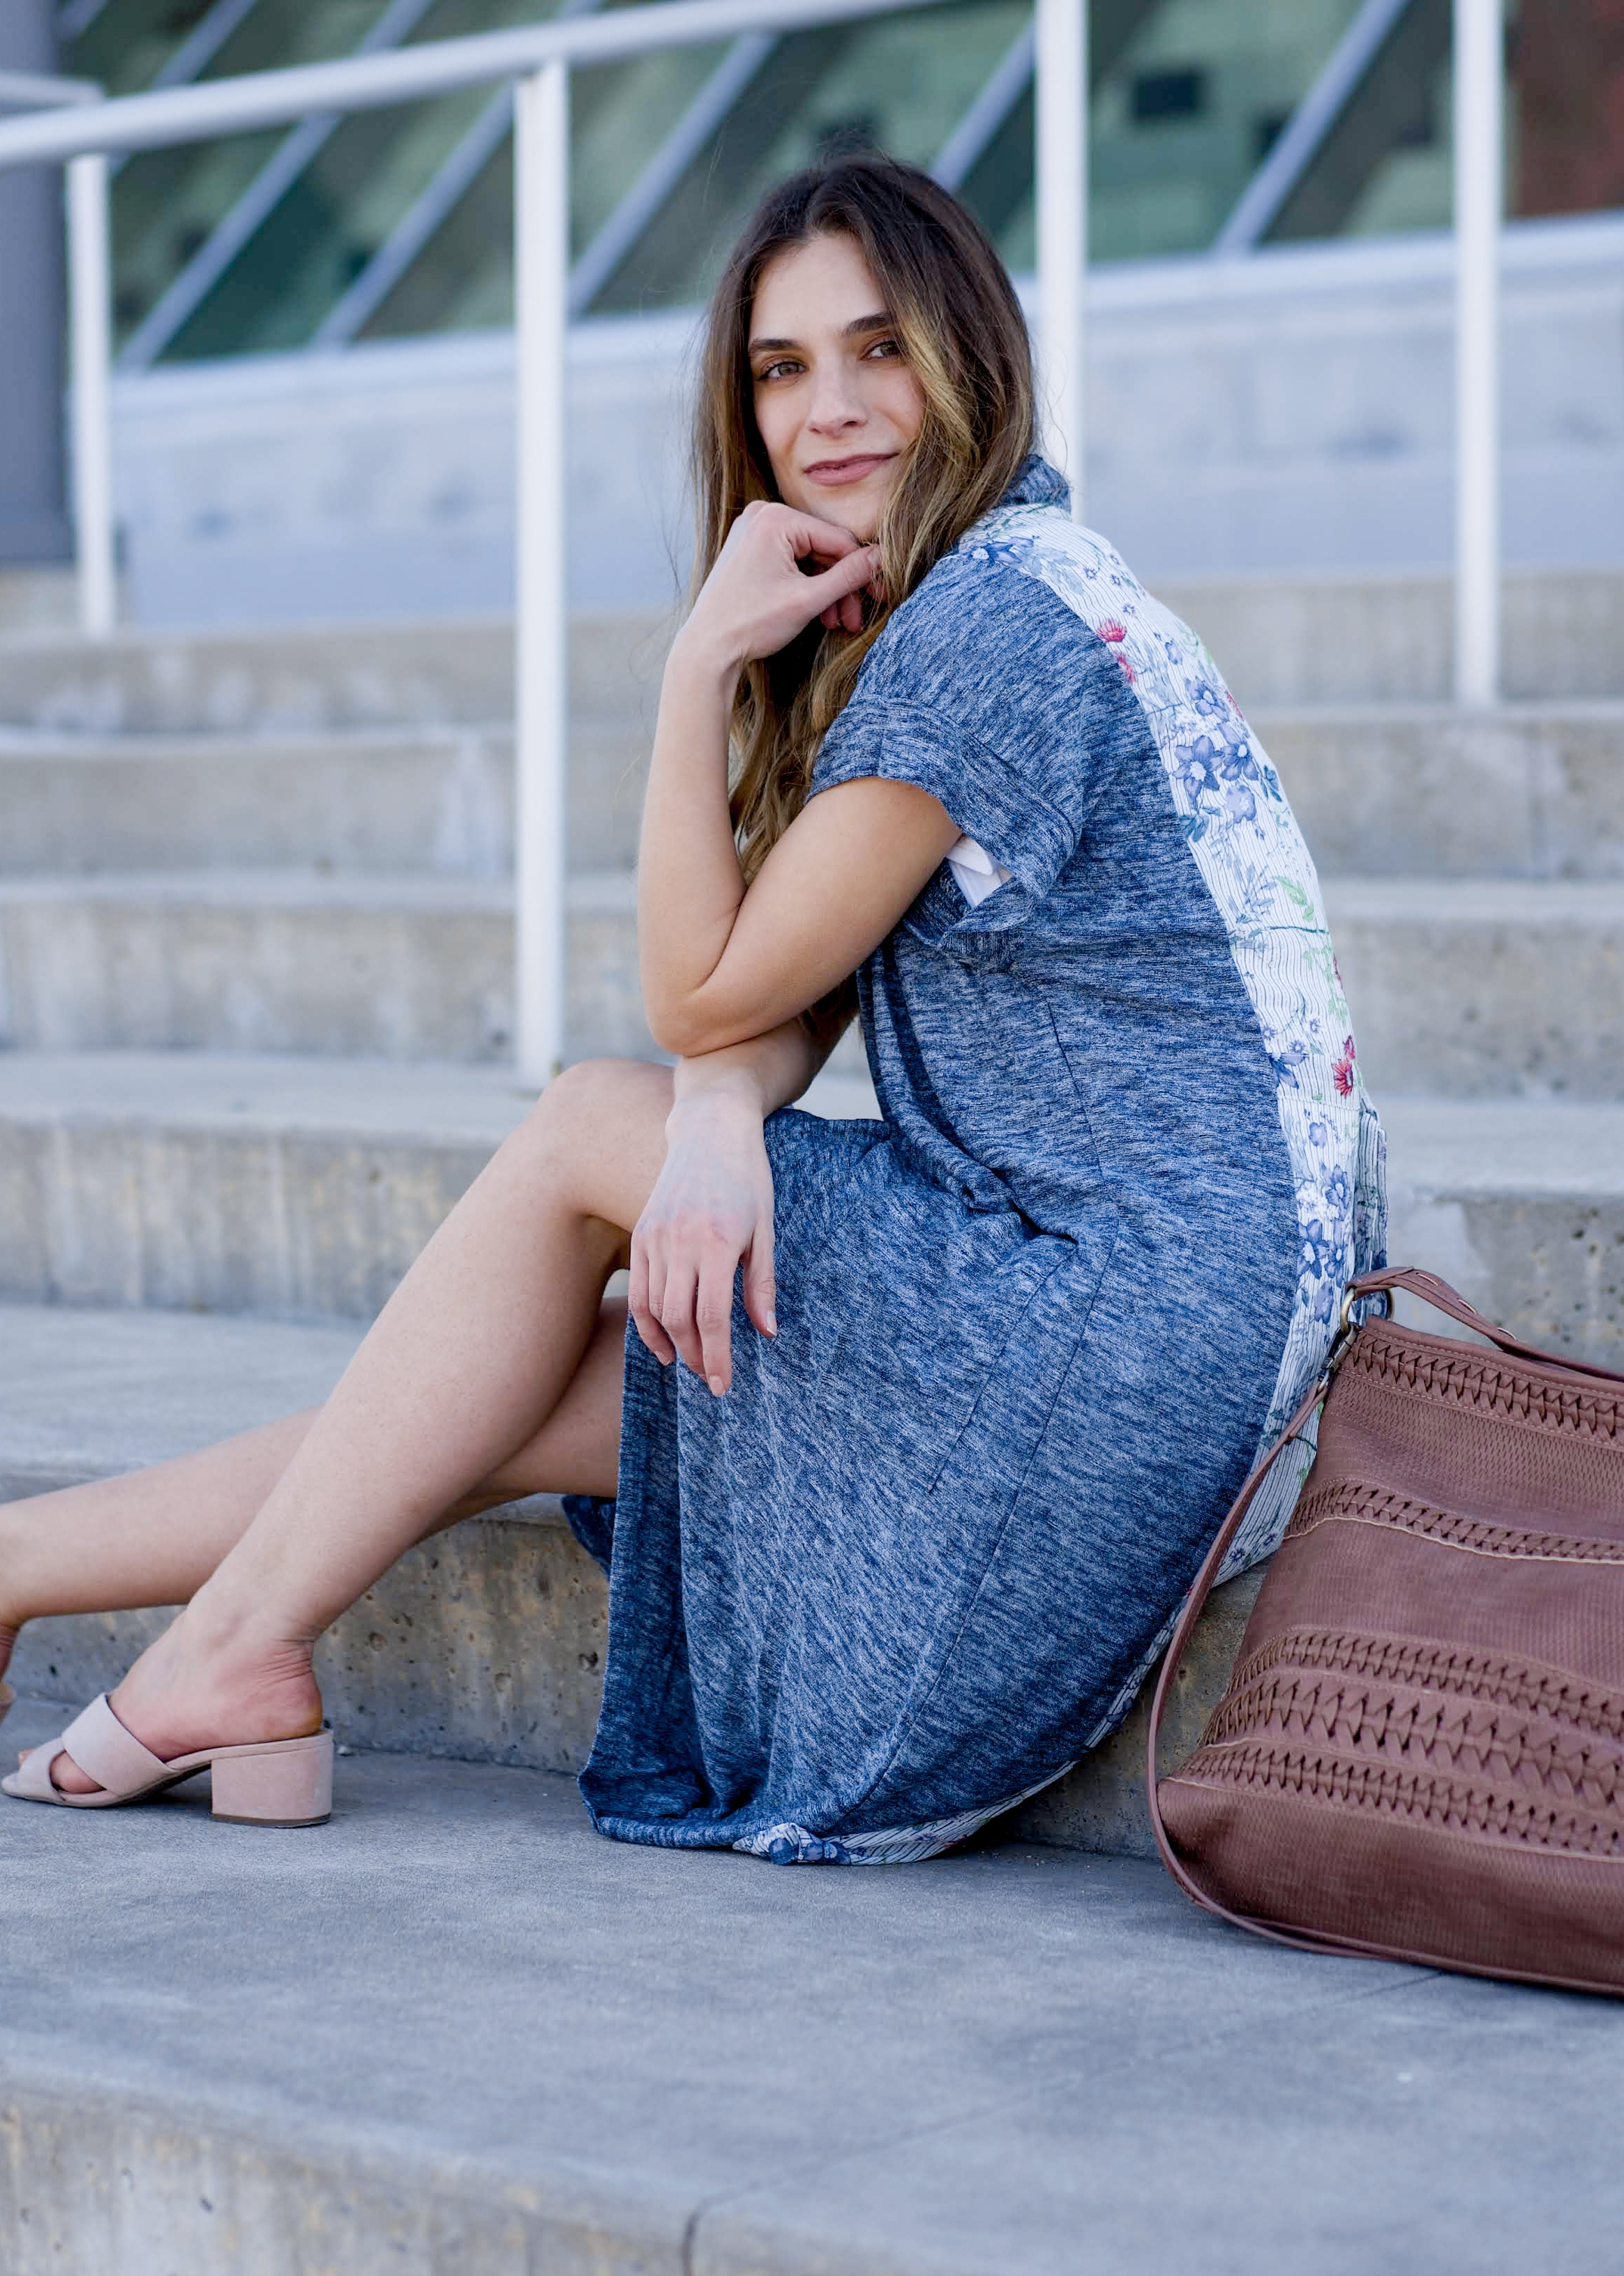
(1420, 1754)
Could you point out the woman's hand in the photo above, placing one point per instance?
(711, 1207)
(757, 598)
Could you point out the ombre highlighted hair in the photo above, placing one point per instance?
(962, 331)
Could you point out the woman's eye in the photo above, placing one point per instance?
(778, 371)
(885, 348)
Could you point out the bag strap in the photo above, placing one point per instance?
(1443, 1297)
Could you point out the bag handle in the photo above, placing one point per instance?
(1443, 1297)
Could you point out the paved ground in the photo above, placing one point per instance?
(454, 2030)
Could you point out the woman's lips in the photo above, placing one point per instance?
(835, 474)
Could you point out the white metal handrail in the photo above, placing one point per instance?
(82, 131)
(538, 60)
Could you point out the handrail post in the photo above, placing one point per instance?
(541, 257)
(1062, 199)
(1479, 103)
(90, 397)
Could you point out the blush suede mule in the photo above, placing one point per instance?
(277, 1782)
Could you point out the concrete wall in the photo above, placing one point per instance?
(1289, 411)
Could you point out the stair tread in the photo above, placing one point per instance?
(422, 891)
(1532, 1147)
(89, 1391)
(436, 1101)
(1534, 901)
(1475, 900)
(456, 2026)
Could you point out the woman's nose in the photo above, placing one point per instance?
(835, 403)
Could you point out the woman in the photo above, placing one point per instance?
(893, 1539)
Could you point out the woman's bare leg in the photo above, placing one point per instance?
(154, 1537)
(446, 1399)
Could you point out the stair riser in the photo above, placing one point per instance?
(485, 1645)
(1521, 795)
(1485, 1010)
(290, 1224)
(81, 975)
(441, 803)
(1514, 796)
(1380, 640)
(1468, 1009)
(1288, 640)
(1550, 1269)
(302, 679)
(108, 2180)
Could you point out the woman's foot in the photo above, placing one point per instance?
(191, 1690)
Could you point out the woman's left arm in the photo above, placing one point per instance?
(721, 963)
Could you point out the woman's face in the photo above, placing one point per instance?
(836, 403)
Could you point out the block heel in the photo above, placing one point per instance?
(288, 1783)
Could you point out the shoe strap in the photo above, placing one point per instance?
(105, 1751)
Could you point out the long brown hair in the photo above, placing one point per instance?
(962, 329)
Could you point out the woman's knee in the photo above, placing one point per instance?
(595, 1097)
(591, 1118)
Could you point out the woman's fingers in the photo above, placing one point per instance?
(832, 586)
(809, 537)
(713, 1318)
(645, 1296)
(760, 1288)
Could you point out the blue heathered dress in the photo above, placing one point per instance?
(1035, 1323)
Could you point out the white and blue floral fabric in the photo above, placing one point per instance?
(1036, 1321)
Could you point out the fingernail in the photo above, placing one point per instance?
(716, 1385)
(772, 1324)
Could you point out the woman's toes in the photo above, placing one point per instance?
(67, 1778)
(66, 1772)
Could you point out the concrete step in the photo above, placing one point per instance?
(1484, 990)
(304, 678)
(285, 1186)
(1354, 637)
(1532, 790)
(296, 1187)
(409, 968)
(1279, 640)
(1468, 988)
(1529, 790)
(485, 1644)
(361, 799)
(454, 2033)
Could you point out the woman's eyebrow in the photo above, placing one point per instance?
(878, 323)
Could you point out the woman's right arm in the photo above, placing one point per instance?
(711, 1207)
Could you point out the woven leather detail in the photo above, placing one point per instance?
(1467, 1375)
(1495, 1678)
(1464, 1737)
(1436, 1799)
(1352, 1501)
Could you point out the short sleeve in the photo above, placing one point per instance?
(906, 742)
(987, 691)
